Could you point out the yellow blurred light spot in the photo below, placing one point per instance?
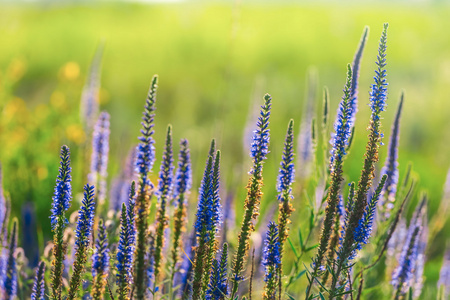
(76, 134)
(13, 108)
(19, 136)
(58, 99)
(71, 70)
(42, 173)
(16, 69)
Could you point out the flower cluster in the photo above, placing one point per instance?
(99, 156)
(149, 251)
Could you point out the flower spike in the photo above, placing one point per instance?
(144, 163)
(391, 165)
(61, 203)
(100, 263)
(164, 194)
(258, 152)
(377, 104)
(99, 156)
(271, 262)
(39, 283)
(284, 188)
(218, 286)
(83, 237)
(124, 257)
(10, 281)
(181, 191)
(339, 144)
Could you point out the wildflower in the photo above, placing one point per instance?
(100, 263)
(271, 262)
(339, 143)
(61, 203)
(305, 148)
(99, 156)
(258, 152)
(146, 150)
(377, 104)
(218, 286)
(83, 237)
(183, 184)
(206, 226)
(184, 274)
(39, 283)
(10, 281)
(418, 280)
(164, 193)
(229, 215)
(2, 204)
(120, 186)
(355, 67)
(259, 148)
(444, 275)
(284, 188)
(144, 162)
(365, 226)
(90, 97)
(63, 191)
(404, 273)
(391, 165)
(124, 257)
(342, 125)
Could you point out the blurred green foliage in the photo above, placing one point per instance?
(213, 59)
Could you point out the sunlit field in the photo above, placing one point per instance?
(79, 75)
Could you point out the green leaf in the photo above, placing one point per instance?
(312, 247)
(293, 248)
(300, 274)
(301, 238)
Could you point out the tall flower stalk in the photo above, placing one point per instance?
(164, 194)
(183, 182)
(206, 226)
(83, 238)
(38, 292)
(89, 105)
(144, 163)
(355, 76)
(100, 263)
(218, 282)
(61, 203)
(284, 188)
(10, 281)
(391, 165)
(124, 257)
(378, 97)
(99, 157)
(271, 262)
(404, 273)
(338, 152)
(258, 152)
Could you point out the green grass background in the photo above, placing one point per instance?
(212, 59)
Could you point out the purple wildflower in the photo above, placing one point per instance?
(39, 283)
(146, 149)
(260, 144)
(90, 97)
(63, 190)
(391, 165)
(99, 156)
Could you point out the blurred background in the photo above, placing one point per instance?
(215, 61)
